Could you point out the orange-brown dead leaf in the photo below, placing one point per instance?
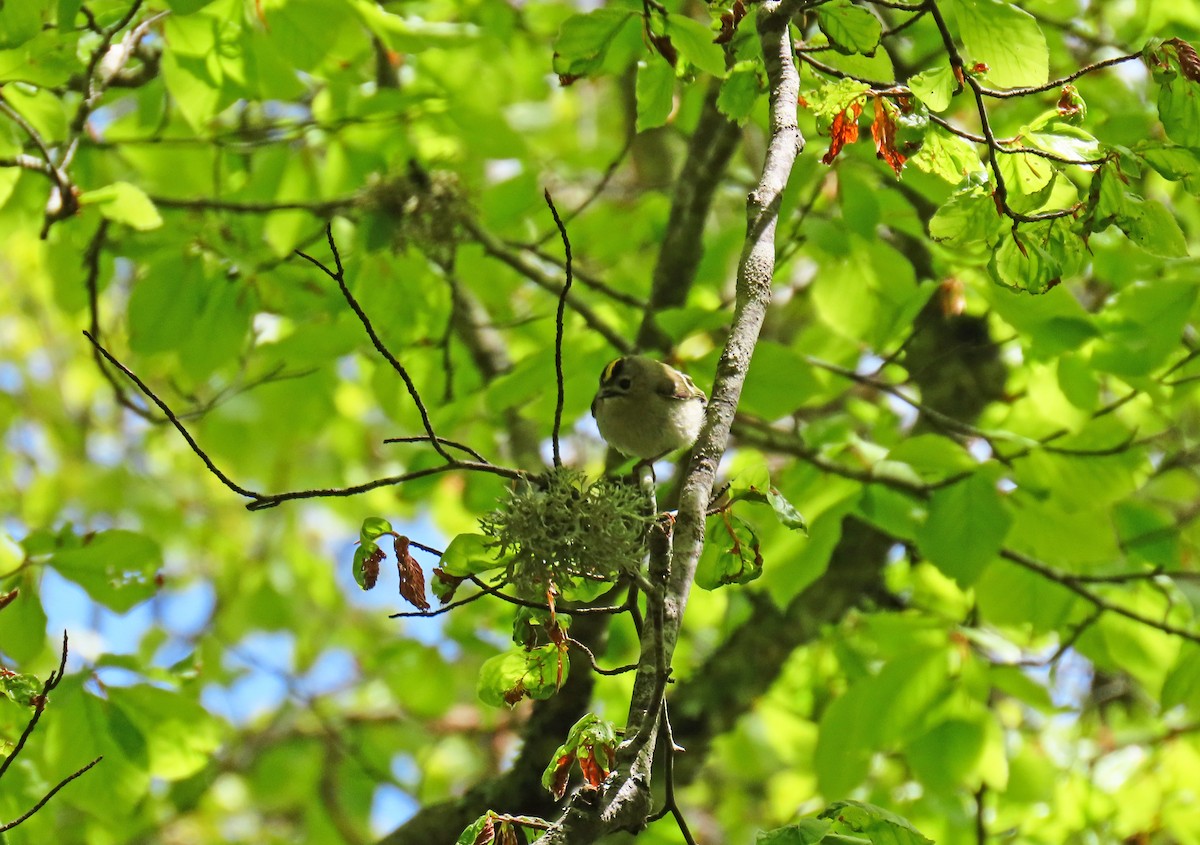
(487, 835)
(842, 131)
(883, 130)
(730, 21)
(562, 768)
(412, 579)
(593, 773)
(1189, 62)
(370, 568)
(951, 296)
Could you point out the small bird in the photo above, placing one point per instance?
(646, 409)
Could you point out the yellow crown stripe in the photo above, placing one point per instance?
(608, 370)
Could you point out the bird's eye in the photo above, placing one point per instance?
(625, 383)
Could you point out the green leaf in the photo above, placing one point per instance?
(655, 91)
(19, 689)
(694, 41)
(474, 830)
(84, 727)
(803, 832)
(967, 523)
(1182, 686)
(125, 203)
(786, 512)
(850, 28)
(968, 219)
(878, 825)
(470, 554)
(1037, 256)
(164, 305)
(117, 568)
(740, 91)
(874, 713)
(1141, 326)
(946, 156)
(933, 457)
(186, 7)
(1006, 38)
(507, 678)
(584, 40)
(361, 555)
(1151, 226)
(374, 527)
(833, 98)
(1178, 164)
(20, 21)
(180, 734)
(413, 35)
(735, 556)
(305, 30)
(1179, 110)
(948, 755)
(23, 621)
(934, 87)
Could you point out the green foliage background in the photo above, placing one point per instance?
(991, 623)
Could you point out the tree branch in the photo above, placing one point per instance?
(624, 801)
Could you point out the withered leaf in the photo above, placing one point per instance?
(412, 579)
(445, 585)
(883, 130)
(593, 772)
(1189, 62)
(558, 787)
(842, 131)
(370, 568)
(487, 834)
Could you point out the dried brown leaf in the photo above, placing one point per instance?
(842, 131)
(412, 579)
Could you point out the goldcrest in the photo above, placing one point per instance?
(646, 409)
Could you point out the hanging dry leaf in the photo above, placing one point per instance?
(412, 579)
(883, 130)
(842, 131)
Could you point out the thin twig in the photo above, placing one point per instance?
(596, 191)
(1073, 584)
(39, 704)
(670, 804)
(558, 331)
(340, 277)
(496, 248)
(620, 670)
(453, 444)
(319, 208)
(49, 795)
(263, 501)
(174, 420)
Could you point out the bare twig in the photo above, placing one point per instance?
(453, 444)
(49, 795)
(260, 501)
(620, 670)
(339, 276)
(1073, 584)
(318, 208)
(558, 331)
(496, 248)
(39, 704)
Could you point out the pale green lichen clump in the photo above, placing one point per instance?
(559, 528)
